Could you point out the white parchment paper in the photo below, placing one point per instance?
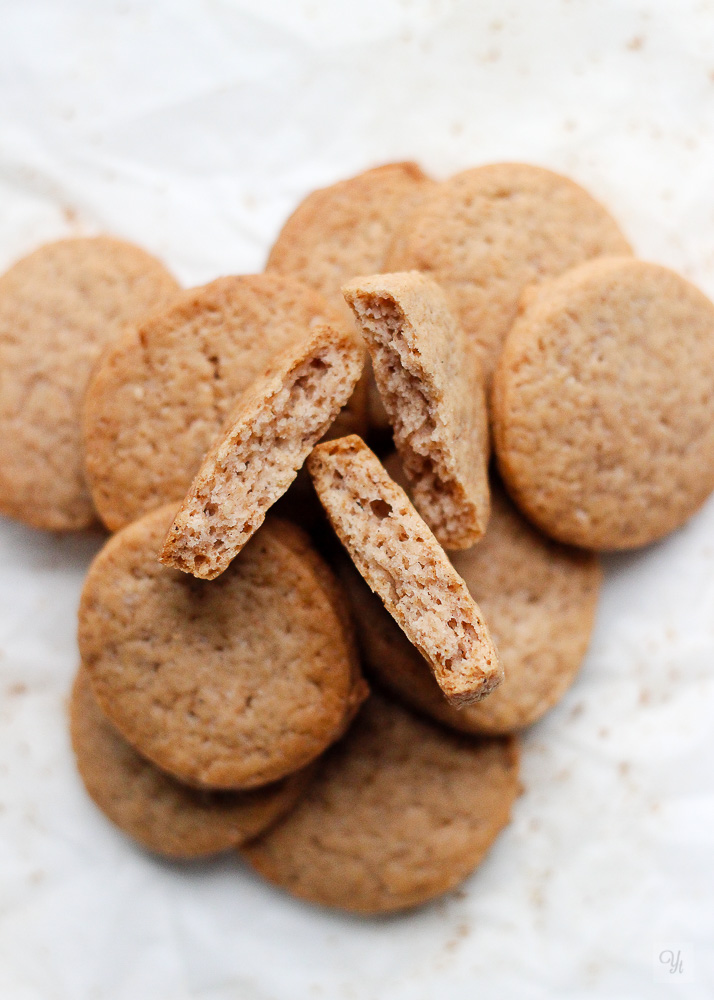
(193, 129)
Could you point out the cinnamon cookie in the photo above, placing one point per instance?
(344, 230)
(160, 813)
(432, 388)
(603, 404)
(227, 684)
(58, 307)
(487, 233)
(403, 563)
(160, 395)
(399, 812)
(260, 451)
(539, 599)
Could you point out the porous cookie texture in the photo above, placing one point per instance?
(431, 384)
(343, 230)
(260, 450)
(400, 811)
(604, 404)
(403, 563)
(160, 396)
(540, 600)
(487, 233)
(160, 813)
(232, 683)
(58, 307)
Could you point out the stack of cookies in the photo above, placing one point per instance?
(473, 386)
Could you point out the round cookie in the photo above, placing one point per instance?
(539, 599)
(231, 683)
(603, 404)
(160, 813)
(399, 812)
(160, 395)
(58, 307)
(345, 230)
(487, 233)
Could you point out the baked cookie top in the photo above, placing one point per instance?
(346, 229)
(160, 395)
(58, 307)
(603, 404)
(260, 450)
(539, 599)
(399, 812)
(487, 233)
(432, 388)
(225, 684)
(160, 813)
(403, 563)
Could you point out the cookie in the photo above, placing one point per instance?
(432, 388)
(403, 563)
(344, 230)
(232, 683)
(58, 307)
(400, 811)
(260, 450)
(604, 405)
(160, 395)
(539, 598)
(160, 813)
(487, 233)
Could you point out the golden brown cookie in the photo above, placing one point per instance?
(344, 230)
(403, 563)
(487, 233)
(604, 404)
(260, 450)
(225, 684)
(160, 813)
(539, 599)
(58, 307)
(160, 395)
(433, 391)
(399, 812)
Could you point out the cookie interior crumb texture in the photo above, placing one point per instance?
(403, 563)
(232, 683)
(159, 397)
(160, 813)
(431, 384)
(540, 600)
(400, 811)
(260, 451)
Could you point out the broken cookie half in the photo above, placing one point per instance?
(432, 387)
(401, 560)
(260, 450)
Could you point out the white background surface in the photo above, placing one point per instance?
(193, 129)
